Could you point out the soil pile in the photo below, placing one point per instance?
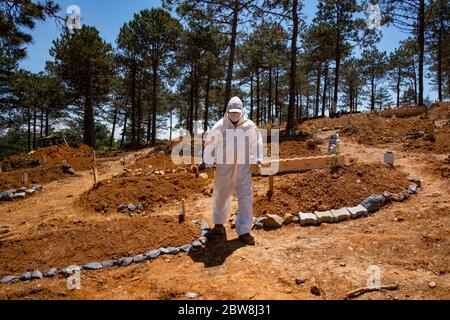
(320, 190)
(65, 243)
(154, 192)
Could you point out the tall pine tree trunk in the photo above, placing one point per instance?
(251, 97)
(316, 109)
(154, 98)
(399, 79)
(206, 116)
(124, 130)
(230, 67)
(113, 131)
(293, 69)
(325, 85)
(421, 49)
(258, 99)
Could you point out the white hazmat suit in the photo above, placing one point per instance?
(234, 148)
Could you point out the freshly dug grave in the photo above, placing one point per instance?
(321, 190)
(41, 175)
(80, 242)
(440, 143)
(154, 192)
(78, 158)
(297, 149)
(151, 163)
(442, 168)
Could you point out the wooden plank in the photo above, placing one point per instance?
(302, 164)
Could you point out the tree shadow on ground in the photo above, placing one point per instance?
(216, 251)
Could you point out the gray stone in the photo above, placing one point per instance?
(325, 217)
(432, 285)
(140, 206)
(296, 219)
(341, 214)
(387, 195)
(122, 208)
(51, 273)
(406, 193)
(93, 266)
(70, 270)
(204, 225)
(8, 279)
(163, 250)
(138, 258)
(173, 250)
(109, 263)
(20, 195)
(197, 244)
(125, 261)
(413, 188)
(37, 275)
(68, 169)
(153, 254)
(259, 223)
(6, 196)
(398, 197)
(131, 207)
(11, 191)
(373, 203)
(203, 240)
(191, 295)
(36, 187)
(308, 219)
(21, 190)
(29, 192)
(273, 221)
(186, 248)
(204, 233)
(25, 276)
(358, 212)
(411, 179)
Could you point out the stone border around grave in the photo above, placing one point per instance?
(20, 193)
(121, 262)
(369, 206)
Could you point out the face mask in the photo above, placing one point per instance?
(234, 117)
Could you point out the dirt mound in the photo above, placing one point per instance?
(154, 192)
(41, 175)
(297, 149)
(79, 158)
(321, 190)
(404, 112)
(63, 244)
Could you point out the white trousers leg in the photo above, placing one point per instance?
(227, 181)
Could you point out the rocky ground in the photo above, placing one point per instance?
(408, 242)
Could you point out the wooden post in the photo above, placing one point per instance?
(93, 156)
(95, 176)
(270, 192)
(24, 178)
(64, 162)
(182, 216)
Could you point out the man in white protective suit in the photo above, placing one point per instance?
(234, 144)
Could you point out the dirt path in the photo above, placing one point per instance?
(409, 242)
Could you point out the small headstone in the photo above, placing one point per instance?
(432, 285)
(389, 158)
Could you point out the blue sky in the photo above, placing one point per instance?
(108, 16)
